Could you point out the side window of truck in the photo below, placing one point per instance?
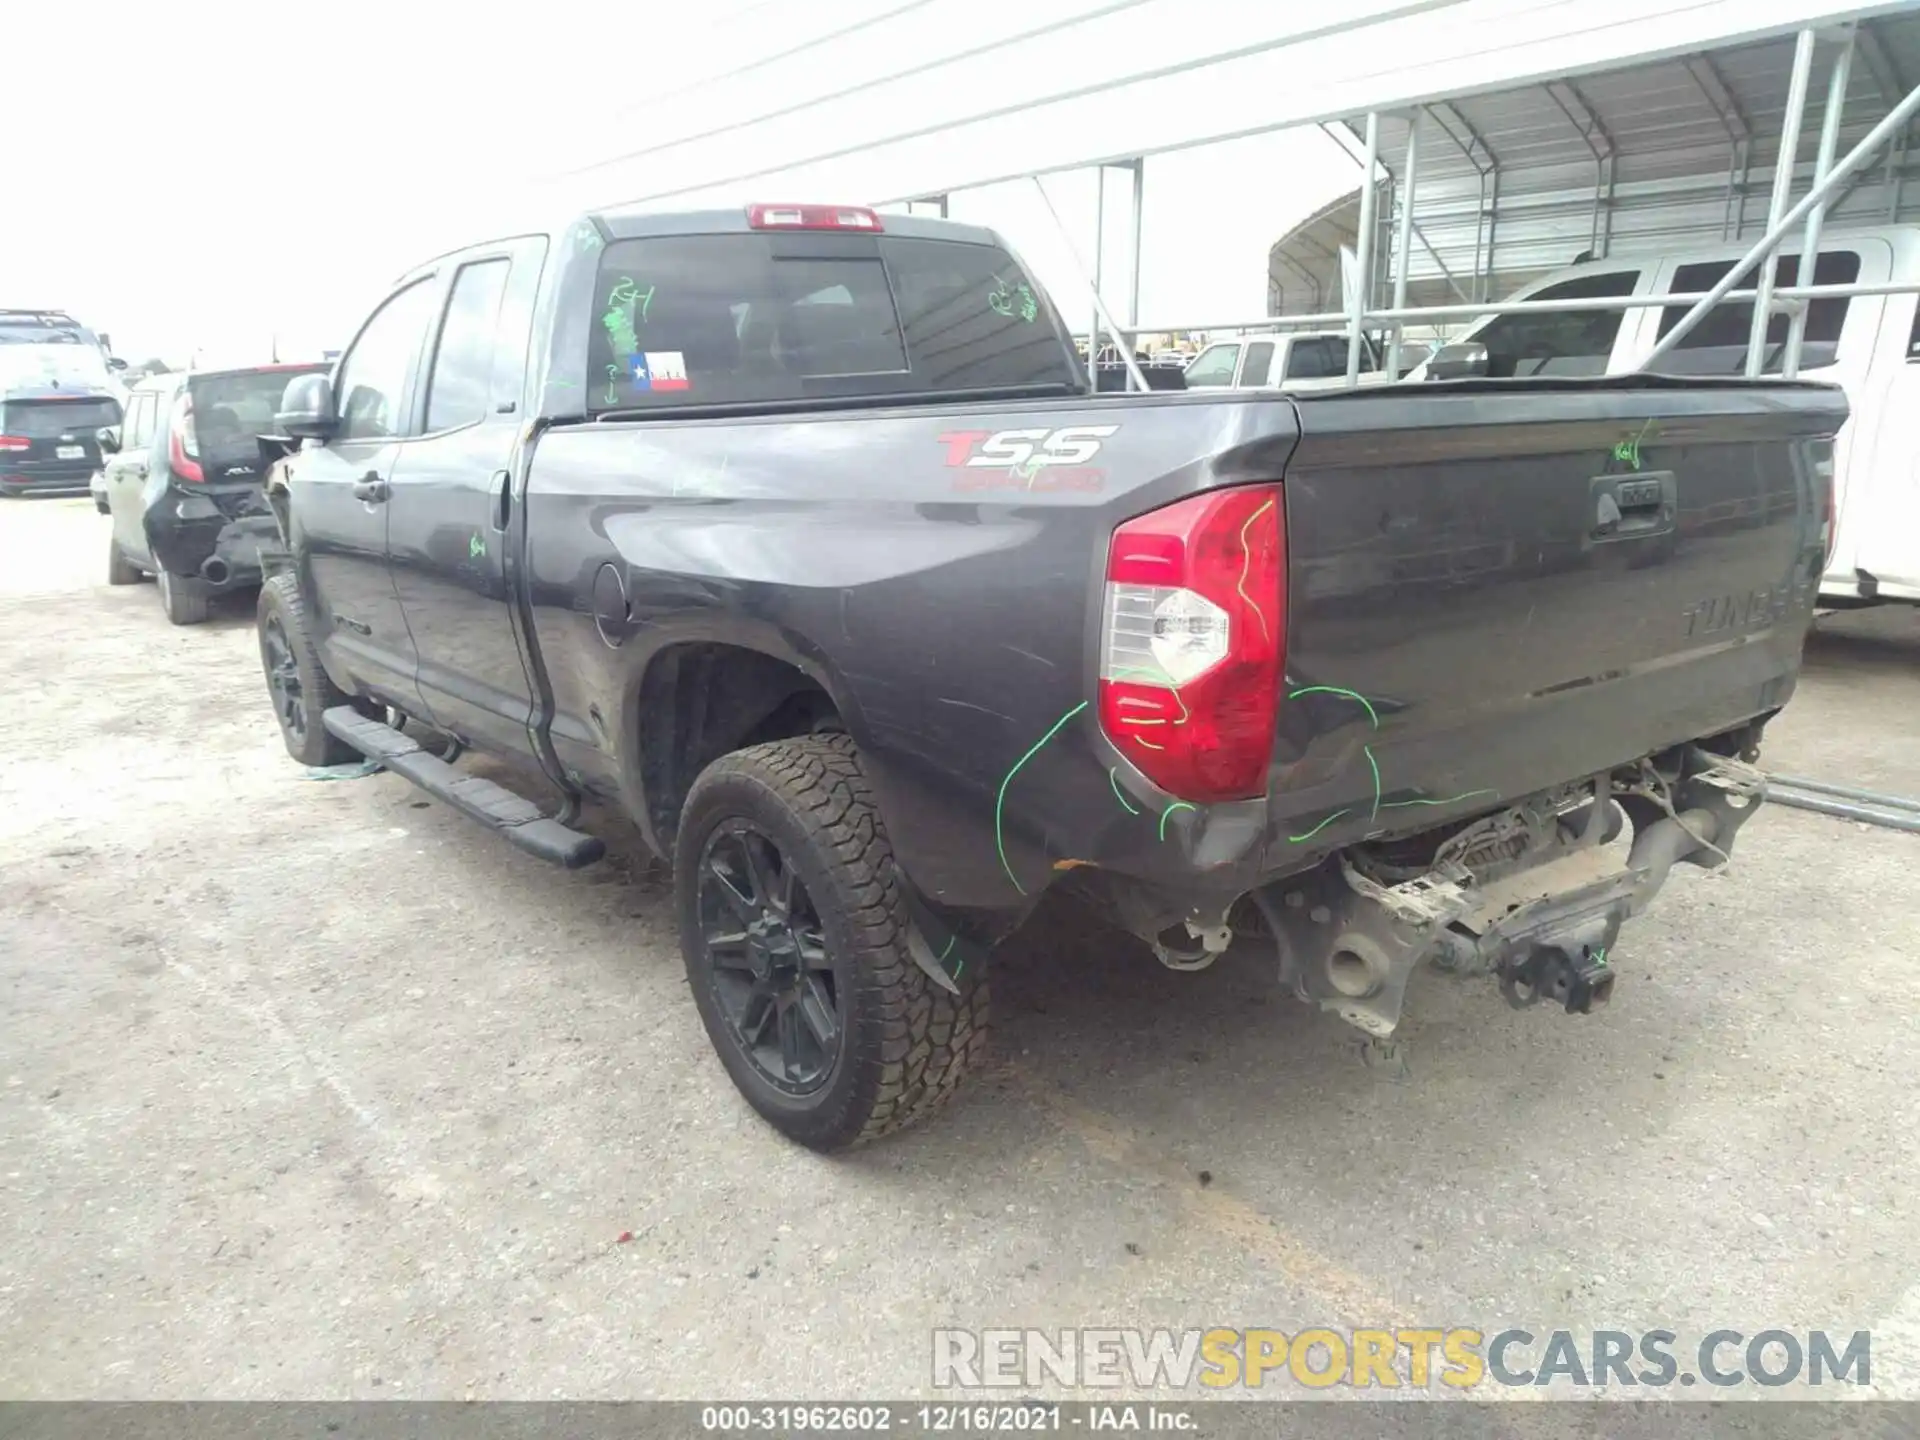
(1317, 357)
(1560, 342)
(459, 386)
(1213, 366)
(1718, 344)
(1259, 362)
(372, 386)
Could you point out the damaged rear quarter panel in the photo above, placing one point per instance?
(951, 610)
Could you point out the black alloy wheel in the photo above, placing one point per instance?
(283, 681)
(763, 942)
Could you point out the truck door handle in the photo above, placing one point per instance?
(371, 488)
(502, 499)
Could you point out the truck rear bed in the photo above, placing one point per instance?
(1462, 628)
(1530, 583)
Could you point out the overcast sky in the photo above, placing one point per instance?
(208, 173)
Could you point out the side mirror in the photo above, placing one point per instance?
(116, 363)
(306, 409)
(107, 437)
(1464, 361)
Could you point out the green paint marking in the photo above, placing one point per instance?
(1354, 695)
(1298, 839)
(1450, 800)
(613, 385)
(1000, 801)
(1113, 774)
(623, 301)
(1600, 956)
(941, 959)
(1176, 805)
(476, 547)
(1628, 451)
(1376, 780)
(958, 968)
(1029, 307)
(1246, 563)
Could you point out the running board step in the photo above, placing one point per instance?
(517, 819)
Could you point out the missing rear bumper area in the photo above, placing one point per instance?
(1533, 895)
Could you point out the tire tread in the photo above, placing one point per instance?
(926, 1038)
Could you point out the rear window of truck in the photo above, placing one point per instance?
(732, 319)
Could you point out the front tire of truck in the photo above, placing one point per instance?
(794, 931)
(297, 683)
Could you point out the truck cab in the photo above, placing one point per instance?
(1298, 360)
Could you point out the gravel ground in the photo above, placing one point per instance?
(317, 1090)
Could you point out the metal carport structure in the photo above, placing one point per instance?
(1664, 128)
(1483, 194)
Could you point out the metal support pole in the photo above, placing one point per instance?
(1895, 121)
(1783, 163)
(1403, 243)
(1099, 256)
(1363, 259)
(1823, 162)
(1133, 240)
(1099, 306)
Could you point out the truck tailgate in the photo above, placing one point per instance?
(1495, 588)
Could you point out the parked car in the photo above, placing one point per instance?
(183, 481)
(1286, 360)
(56, 392)
(783, 532)
(1867, 344)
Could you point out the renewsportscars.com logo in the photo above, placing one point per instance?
(1420, 1359)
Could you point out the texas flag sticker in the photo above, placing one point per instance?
(659, 370)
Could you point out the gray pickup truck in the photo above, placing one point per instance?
(796, 534)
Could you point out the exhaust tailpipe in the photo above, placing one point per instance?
(214, 570)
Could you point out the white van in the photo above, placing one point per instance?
(1870, 344)
(1292, 360)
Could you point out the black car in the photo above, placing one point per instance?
(48, 440)
(183, 483)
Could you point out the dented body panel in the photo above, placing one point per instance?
(1464, 628)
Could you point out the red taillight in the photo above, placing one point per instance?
(1194, 642)
(15, 442)
(183, 445)
(812, 217)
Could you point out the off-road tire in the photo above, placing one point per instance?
(908, 1042)
(120, 570)
(183, 597)
(280, 602)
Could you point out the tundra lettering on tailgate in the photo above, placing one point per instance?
(1035, 459)
(1768, 605)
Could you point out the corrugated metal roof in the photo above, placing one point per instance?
(1660, 155)
(1005, 115)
